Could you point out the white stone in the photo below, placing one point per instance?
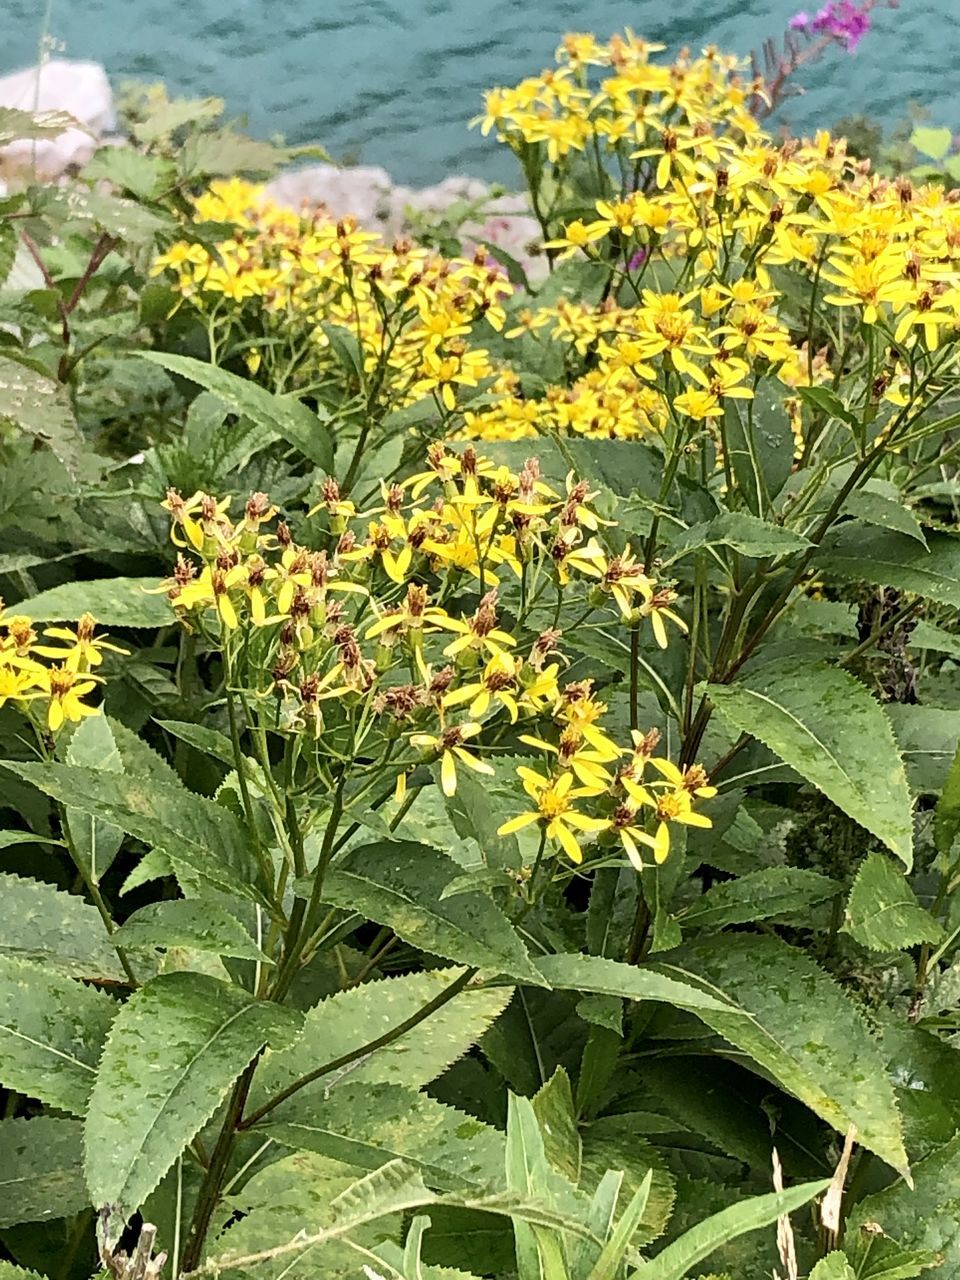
(79, 88)
(362, 191)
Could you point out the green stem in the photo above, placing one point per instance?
(217, 1172)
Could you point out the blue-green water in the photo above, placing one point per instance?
(394, 82)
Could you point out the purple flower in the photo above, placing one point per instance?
(843, 20)
(800, 21)
(637, 261)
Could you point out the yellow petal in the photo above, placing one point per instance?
(448, 774)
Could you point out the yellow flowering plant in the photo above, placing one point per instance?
(518, 803)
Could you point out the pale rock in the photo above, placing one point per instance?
(79, 88)
(362, 191)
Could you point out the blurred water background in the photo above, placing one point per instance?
(394, 82)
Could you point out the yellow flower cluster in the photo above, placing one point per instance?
(59, 685)
(396, 316)
(756, 243)
(354, 641)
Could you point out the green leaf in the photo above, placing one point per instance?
(758, 895)
(40, 406)
(884, 511)
(16, 124)
(168, 117)
(859, 553)
(145, 177)
(528, 1173)
(51, 1034)
(193, 830)
(174, 1050)
(802, 1029)
(223, 152)
(927, 741)
(634, 982)
(128, 221)
(95, 843)
(9, 1271)
(554, 1109)
(609, 1263)
(882, 911)
(924, 1218)
(304, 1215)
(400, 884)
(8, 250)
(879, 1258)
(42, 1172)
(345, 1022)
(760, 442)
(114, 602)
(616, 1142)
(285, 416)
(828, 727)
(747, 534)
(678, 1258)
(835, 1266)
(828, 402)
(199, 924)
(368, 1124)
(927, 636)
(275, 1204)
(946, 820)
(60, 930)
(932, 142)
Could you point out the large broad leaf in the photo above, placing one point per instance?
(42, 1171)
(401, 884)
(144, 176)
(744, 533)
(801, 1029)
(926, 1217)
(680, 1257)
(275, 1203)
(51, 1032)
(615, 1142)
(175, 1049)
(759, 895)
(286, 417)
(40, 406)
(343, 1023)
(760, 442)
(16, 123)
(369, 1124)
(196, 831)
(860, 553)
(826, 725)
(95, 842)
(200, 925)
(611, 978)
(882, 911)
(301, 1212)
(39, 922)
(114, 602)
(927, 741)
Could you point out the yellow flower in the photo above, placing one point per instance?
(577, 235)
(449, 746)
(554, 799)
(498, 683)
(85, 650)
(67, 689)
(20, 682)
(673, 805)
